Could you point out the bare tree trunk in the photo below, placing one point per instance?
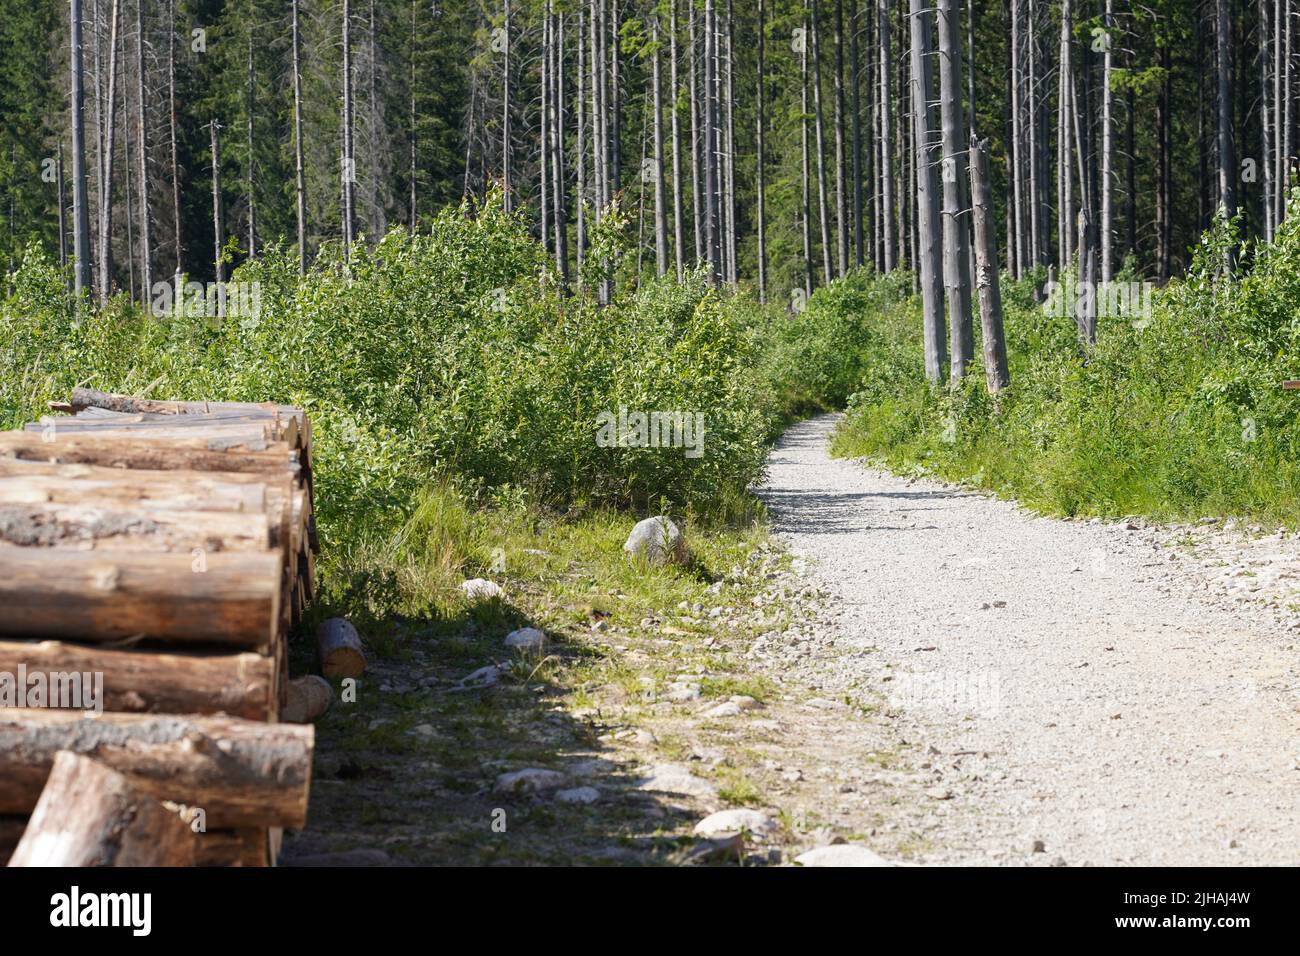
(805, 170)
(412, 212)
(63, 210)
(761, 159)
(927, 189)
(697, 158)
(1031, 145)
(506, 182)
(614, 100)
(543, 155)
(80, 208)
(1279, 146)
(581, 144)
(1227, 152)
(176, 174)
(956, 237)
(1107, 269)
(251, 180)
(661, 196)
(1017, 155)
(561, 217)
(142, 139)
(886, 142)
(348, 164)
(711, 145)
(1163, 144)
(1065, 153)
(819, 127)
(729, 153)
(218, 230)
(855, 100)
(1264, 115)
(678, 233)
(300, 178)
(996, 372)
(106, 184)
(127, 189)
(841, 165)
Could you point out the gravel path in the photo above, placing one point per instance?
(1072, 688)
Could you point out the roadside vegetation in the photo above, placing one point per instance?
(1176, 414)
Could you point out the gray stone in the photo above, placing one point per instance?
(728, 822)
(526, 639)
(656, 541)
(841, 854)
(530, 780)
(674, 778)
(480, 589)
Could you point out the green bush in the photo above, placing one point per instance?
(449, 355)
(1178, 414)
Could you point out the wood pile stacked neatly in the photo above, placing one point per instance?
(168, 546)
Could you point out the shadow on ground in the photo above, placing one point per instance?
(411, 767)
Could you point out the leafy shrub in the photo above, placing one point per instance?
(453, 354)
(1181, 414)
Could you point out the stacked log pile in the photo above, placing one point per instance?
(169, 547)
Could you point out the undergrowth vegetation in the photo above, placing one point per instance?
(455, 384)
(1176, 414)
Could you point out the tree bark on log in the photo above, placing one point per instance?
(133, 451)
(231, 599)
(341, 653)
(128, 491)
(91, 527)
(239, 685)
(240, 773)
(150, 485)
(91, 815)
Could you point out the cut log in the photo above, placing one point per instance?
(221, 436)
(119, 450)
(90, 527)
(84, 398)
(339, 646)
(276, 490)
(224, 598)
(240, 773)
(90, 815)
(308, 699)
(198, 493)
(136, 681)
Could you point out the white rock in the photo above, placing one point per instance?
(674, 778)
(578, 795)
(841, 854)
(656, 541)
(726, 709)
(728, 822)
(526, 639)
(480, 589)
(530, 780)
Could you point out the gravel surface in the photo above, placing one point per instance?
(1078, 692)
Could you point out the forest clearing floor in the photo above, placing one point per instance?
(921, 671)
